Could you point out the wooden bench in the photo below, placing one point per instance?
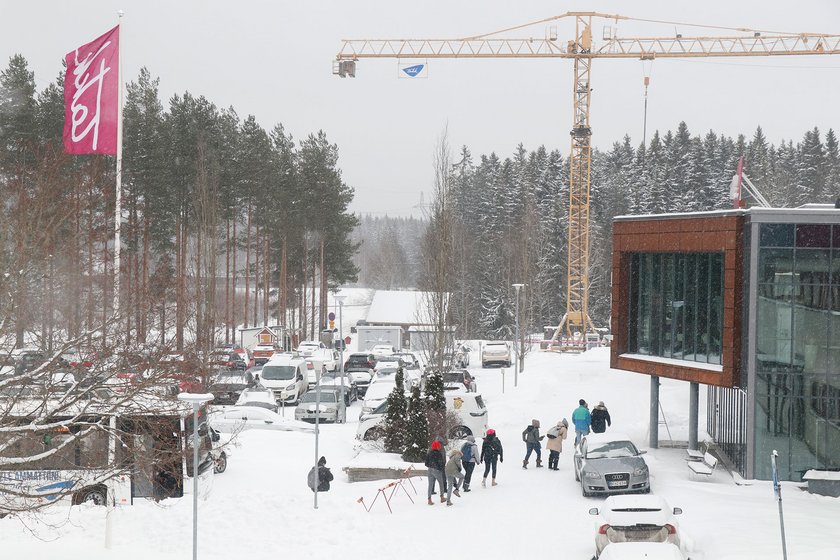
(706, 467)
(693, 455)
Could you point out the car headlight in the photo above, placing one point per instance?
(640, 471)
(330, 411)
(592, 474)
(290, 387)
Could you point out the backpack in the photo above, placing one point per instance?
(466, 450)
(312, 479)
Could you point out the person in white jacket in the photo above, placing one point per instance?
(556, 435)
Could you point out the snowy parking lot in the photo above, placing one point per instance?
(261, 507)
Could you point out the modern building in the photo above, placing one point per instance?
(746, 302)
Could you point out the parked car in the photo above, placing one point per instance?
(263, 353)
(286, 376)
(376, 393)
(610, 464)
(26, 359)
(332, 409)
(336, 379)
(236, 418)
(468, 407)
(409, 360)
(462, 353)
(218, 451)
(636, 550)
(630, 518)
(459, 379)
(314, 369)
(319, 354)
(259, 397)
(228, 359)
(496, 352)
(387, 365)
(364, 360)
(362, 376)
(229, 384)
(383, 350)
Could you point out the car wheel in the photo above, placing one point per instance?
(97, 496)
(220, 463)
(460, 432)
(372, 434)
(577, 476)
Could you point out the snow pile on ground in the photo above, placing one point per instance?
(261, 507)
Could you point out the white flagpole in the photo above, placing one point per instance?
(118, 193)
(110, 499)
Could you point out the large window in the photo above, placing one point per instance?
(676, 306)
(797, 391)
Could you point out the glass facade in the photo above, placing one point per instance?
(676, 306)
(797, 361)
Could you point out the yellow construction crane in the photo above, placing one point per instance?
(583, 50)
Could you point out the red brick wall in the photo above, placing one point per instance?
(689, 234)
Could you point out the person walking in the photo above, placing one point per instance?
(582, 419)
(436, 463)
(469, 459)
(453, 475)
(322, 476)
(442, 441)
(556, 435)
(491, 451)
(532, 438)
(600, 418)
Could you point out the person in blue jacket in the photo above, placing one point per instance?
(582, 420)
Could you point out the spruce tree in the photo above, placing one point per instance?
(396, 420)
(417, 430)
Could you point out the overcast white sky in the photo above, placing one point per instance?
(273, 59)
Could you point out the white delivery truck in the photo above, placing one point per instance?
(369, 336)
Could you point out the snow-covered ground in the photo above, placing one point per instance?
(262, 508)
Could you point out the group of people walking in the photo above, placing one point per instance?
(597, 420)
(447, 473)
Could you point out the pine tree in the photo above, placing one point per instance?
(396, 420)
(417, 430)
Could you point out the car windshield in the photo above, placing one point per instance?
(611, 450)
(230, 377)
(453, 377)
(260, 404)
(326, 397)
(278, 372)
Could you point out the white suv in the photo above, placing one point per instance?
(468, 407)
(285, 375)
(495, 352)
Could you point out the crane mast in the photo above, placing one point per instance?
(749, 42)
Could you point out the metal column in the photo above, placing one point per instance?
(654, 412)
(693, 403)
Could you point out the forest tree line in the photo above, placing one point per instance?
(511, 215)
(223, 223)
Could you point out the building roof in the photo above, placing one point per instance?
(391, 307)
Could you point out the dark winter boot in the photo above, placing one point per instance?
(525, 464)
(539, 463)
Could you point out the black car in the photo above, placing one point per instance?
(27, 361)
(229, 384)
(360, 360)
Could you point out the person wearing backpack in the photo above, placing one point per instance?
(556, 435)
(470, 459)
(320, 476)
(491, 451)
(532, 438)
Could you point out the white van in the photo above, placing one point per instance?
(285, 375)
(469, 407)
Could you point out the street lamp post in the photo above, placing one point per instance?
(197, 400)
(517, 287)
(340, 300)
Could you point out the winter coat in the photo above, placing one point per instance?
(435, 459)
(600, 419)
(531, 435)
(453, 465)
(556, 443)
(324, 478)
(491, 448)
(581, 418)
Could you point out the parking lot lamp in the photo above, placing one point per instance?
(197, 400)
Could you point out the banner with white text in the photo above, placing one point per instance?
(91, 96)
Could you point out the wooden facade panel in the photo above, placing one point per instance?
(681, 235)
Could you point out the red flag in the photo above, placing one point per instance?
(91, 96)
